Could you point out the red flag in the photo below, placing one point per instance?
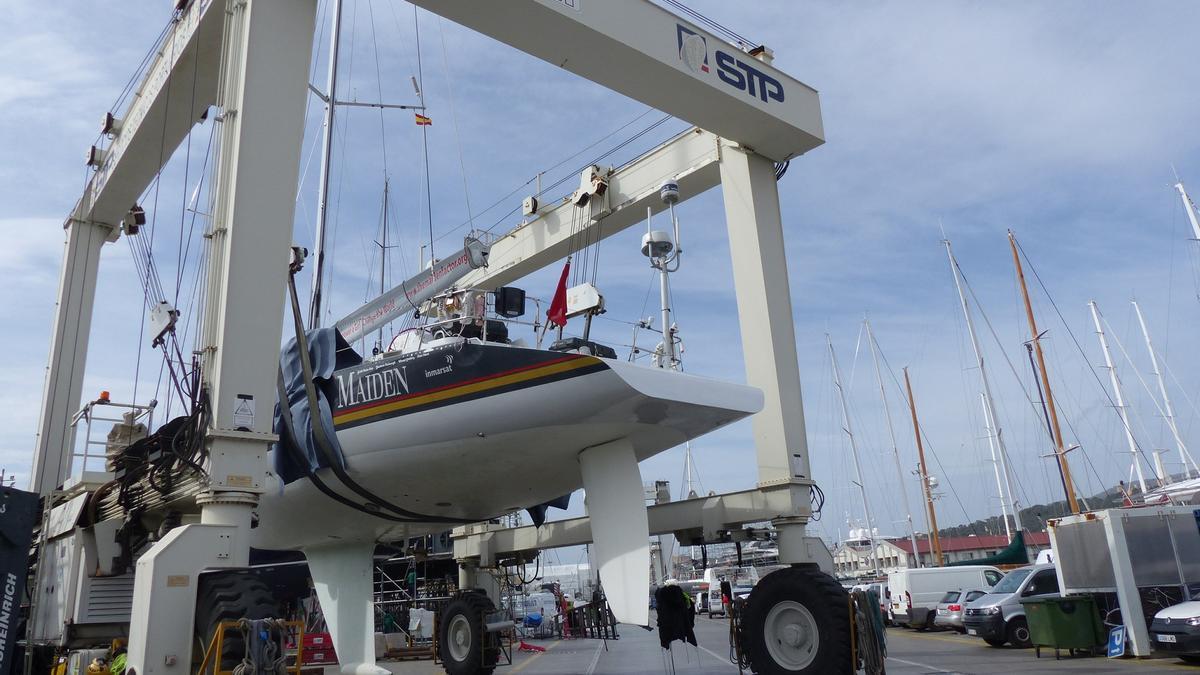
(557, 314)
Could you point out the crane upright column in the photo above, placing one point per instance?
(265, 56)
(68, 352)
(764, 302)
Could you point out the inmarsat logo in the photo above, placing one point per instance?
(693, 51)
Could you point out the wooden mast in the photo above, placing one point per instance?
(934, 539)
(1059, 449)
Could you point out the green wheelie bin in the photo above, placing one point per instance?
(1070, 623)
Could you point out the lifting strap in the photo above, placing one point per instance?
(285, 418)
(322, 441)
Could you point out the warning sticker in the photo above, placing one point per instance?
(243, 412)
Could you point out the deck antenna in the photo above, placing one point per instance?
(314, 309)
(664, 255)
(912, 530)
(862, 487)
(926, 482)
(1134, 450)
(1189, 465)
(1051, 412)
(991, 421)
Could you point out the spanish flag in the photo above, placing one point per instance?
(423, 121)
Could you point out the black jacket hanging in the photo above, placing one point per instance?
(676, 616)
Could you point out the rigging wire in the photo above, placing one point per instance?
(454, 120)
(711, 24)
(424, 131)
(928, 444)
(602, 156)
(378, 89)
(553, 168)
(1070, 333)
(1033, 406)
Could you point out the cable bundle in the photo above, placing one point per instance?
(869, 639)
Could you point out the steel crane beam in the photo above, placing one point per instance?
(641, 50)
(180, 84)
(690, 159)
(705, 518)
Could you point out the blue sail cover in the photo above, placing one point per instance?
(327, 352)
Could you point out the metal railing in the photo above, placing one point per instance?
(90, 414)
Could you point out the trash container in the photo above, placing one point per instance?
(1070, 623)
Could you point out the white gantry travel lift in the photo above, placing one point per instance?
(250, 59)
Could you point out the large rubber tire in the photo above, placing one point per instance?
(230, 596)
(797, 622)
(1017, 632)
(461, 636)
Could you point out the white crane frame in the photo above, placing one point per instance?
(251, 57)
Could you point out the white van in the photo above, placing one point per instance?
(915, 593)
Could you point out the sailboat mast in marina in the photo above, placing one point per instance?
(887, 413)
(934, 539)
(862, 489)
(1190, 469)
(1134, 450)
(1051, 412)
(991, 422)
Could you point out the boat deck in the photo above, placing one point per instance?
(909, 653)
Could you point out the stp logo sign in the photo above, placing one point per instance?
(734, 72)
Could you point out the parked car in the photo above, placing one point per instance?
(915, 593)
(950, 609)
(999, 617)
(1176, 631)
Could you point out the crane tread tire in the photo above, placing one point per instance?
(805, 597)
(467, 611)
(230, 596)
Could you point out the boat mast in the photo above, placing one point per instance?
(990, 429)
(1190, 209)
(314, 308)
(1052, 412)
(995, 439)
(862, 488)
(1134, 451)
(934, 538)
(887, 413)
(1189, 465)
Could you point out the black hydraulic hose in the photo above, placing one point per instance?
(319, 430)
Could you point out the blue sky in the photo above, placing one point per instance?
(1059, 120)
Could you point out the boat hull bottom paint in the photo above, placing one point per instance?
(480, 446)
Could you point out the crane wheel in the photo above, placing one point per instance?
(797, 621)
(461, 637)
(230, 596)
